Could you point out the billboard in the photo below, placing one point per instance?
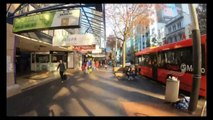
(170, 10)
(167, 11)
(48, 20)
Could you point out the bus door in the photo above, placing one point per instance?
(154, 66)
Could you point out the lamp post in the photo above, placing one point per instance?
(196, 61)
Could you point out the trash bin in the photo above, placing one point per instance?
(172, 89)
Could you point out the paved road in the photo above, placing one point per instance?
(95, 94)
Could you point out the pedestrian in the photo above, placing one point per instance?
(105, 64)
(89, 64)
(132, 70)
(61, 68)
(93, 65)
(97, 65)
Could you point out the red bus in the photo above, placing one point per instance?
(174, 59)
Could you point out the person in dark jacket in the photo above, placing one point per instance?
(61, 68)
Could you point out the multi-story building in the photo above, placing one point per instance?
(129, 48)
(152, 34)
(178, 26)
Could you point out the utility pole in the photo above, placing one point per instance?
(196, 61)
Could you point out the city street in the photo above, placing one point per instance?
(95, 94)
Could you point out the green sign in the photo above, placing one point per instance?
(45, 20)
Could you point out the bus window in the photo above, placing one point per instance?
(142, 60)
(139, 59)
(147, 60)
(161, 59)
(187, 56)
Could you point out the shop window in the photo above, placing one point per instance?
(57, 57)
(42, 58)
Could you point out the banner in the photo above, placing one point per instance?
(46, 20)
(75, 40)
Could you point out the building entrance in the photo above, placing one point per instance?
(22, 62)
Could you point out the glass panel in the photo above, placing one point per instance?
(42, 58)
(57, 57)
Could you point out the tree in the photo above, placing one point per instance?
(201, 12)
(111, 42)
(124, 17)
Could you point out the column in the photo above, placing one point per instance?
(12, 87)
(50, 67)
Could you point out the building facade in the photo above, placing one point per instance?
(178, 28)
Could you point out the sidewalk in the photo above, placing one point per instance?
(95, 94)
(35, 79)
(155, 104)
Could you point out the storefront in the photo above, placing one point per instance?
(47, 61)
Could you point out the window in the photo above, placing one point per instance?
(170, 57)
(179, 25)
(159, 35)
(146, 60)
(139, 59)
(180, 36)
(171, 39)
(161, 59)
(57, 57)
(173, 59)
(175, 38)
(153, 30)
(174, 27)
(147, 34)
(41, 58)
(169, 30)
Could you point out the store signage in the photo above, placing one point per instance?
(75, 40)
(97, 51)
(49, 19)
(98, 55)
(84, 47)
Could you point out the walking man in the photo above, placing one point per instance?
(61, 68)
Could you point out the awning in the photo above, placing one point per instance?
(38, 36)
